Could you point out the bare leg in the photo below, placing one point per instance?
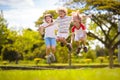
(53, 49)
(47, 50)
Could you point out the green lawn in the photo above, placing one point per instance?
(69, 74)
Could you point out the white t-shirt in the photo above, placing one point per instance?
(50, 31)
(63, 24)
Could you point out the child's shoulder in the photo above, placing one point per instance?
(43, 24)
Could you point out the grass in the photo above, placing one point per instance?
(69, 74)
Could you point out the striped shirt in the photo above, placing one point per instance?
(63, 24)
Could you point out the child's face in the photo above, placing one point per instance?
(61, 13)
(75, 20)
(48, 19)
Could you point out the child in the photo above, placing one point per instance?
(79, 33)
(64, 24)
(50, 37)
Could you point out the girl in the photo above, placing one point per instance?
(50, 37)
(79, 33)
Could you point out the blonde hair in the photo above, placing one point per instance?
(63, 9)
(76, 14)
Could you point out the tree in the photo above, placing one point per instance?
(104, 19)
(3, 29)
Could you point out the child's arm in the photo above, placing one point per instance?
(72, 37)
(41, 30)
(48, 25)
(72, 34)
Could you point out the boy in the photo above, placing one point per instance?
(63, 22)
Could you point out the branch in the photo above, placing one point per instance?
(95, 36)
(116, 44)
(115, 37)
(101, 27)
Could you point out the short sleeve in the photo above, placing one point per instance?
(83, 27)
(73, 29)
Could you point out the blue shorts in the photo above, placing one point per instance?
(50, 41)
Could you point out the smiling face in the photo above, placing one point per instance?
(61, 13)
(48, 18)
(76, 19)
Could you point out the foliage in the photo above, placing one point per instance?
(5, 62)
(37, 60)
(91, 54)
(101, 59)
(62, 54)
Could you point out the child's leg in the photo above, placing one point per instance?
(78, 43)
(77, 40)
(47, 50)
(62, 38)
(47, 42)
(83, 41)
(53, 44)
(53, 47)
(78, 47)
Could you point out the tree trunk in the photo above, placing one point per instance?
(110, 51)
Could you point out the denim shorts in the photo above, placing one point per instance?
(50, 41)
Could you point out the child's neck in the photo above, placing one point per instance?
(62, 16)
(49, 22)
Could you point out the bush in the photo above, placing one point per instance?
(86, 61)
(91, 54)
(38, 60)
(101, 59)
(62, 54)
(10, 53)
(5, 62)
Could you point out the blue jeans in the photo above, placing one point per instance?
(50, 41)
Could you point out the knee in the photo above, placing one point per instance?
(62, 39)
(53, 48)
(47, 48)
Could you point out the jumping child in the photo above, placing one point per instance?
(50, 36)
(63, 22)
(78, 33)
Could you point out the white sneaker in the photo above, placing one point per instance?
(52, 56)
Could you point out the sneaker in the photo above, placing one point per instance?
(48, 59)
(85, 49)
(69, 46)
(62, 44)
(78, 50)
(52, 56)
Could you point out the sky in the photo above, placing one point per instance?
(23, 13)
